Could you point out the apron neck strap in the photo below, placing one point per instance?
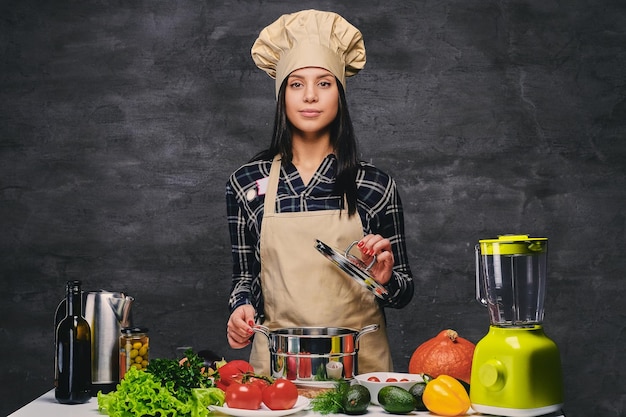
(269, 206)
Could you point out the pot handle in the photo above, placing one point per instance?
(259, 328)
(367, 329)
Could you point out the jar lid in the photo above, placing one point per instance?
(134, 330)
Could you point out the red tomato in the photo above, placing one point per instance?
(281, 395)
(404, 380)
(231, 372)
(373, 379)
(391, 380)
(246, 396)
(259, 382)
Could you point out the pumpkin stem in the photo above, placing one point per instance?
(452, 335)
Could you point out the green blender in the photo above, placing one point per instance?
(516, 369)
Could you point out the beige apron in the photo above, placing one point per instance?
(303, 288)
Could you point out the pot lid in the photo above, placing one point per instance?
(358, 272)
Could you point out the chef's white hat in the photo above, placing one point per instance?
(309, 38)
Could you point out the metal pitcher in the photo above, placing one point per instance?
(107, 313)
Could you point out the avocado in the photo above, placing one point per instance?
(357, 400)
(417, 390)
(396, 400)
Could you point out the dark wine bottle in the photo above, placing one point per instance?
(72, 376)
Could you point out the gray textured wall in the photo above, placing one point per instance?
(120, 122)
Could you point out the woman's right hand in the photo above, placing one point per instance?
(239, 328)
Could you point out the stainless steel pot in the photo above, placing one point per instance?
(304, 353)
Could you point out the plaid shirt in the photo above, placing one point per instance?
(378, 205)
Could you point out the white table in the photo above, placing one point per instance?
(47, 406)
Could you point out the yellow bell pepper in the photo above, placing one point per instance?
(446, 396)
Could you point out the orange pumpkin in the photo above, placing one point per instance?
(445, 354)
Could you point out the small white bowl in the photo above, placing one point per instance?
(402, 380)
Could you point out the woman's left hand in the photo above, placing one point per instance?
(376, 245)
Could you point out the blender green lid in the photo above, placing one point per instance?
(513, 245)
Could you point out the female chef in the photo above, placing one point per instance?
(310, 185)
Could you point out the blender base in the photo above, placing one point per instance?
(515, 412)
(516, 372)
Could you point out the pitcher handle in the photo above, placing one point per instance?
(480, 293)
(58, 313)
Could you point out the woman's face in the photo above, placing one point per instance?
(311, 99)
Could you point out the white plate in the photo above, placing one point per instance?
(301, 404)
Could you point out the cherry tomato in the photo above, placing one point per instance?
(373, 379)
(391, 380)
(404, 380)
(281, 395)
(246, 396)
(231, 372)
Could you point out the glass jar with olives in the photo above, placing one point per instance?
(134, 349)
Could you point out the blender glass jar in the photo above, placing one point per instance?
(511, 279)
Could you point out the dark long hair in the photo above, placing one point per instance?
(342, 139)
